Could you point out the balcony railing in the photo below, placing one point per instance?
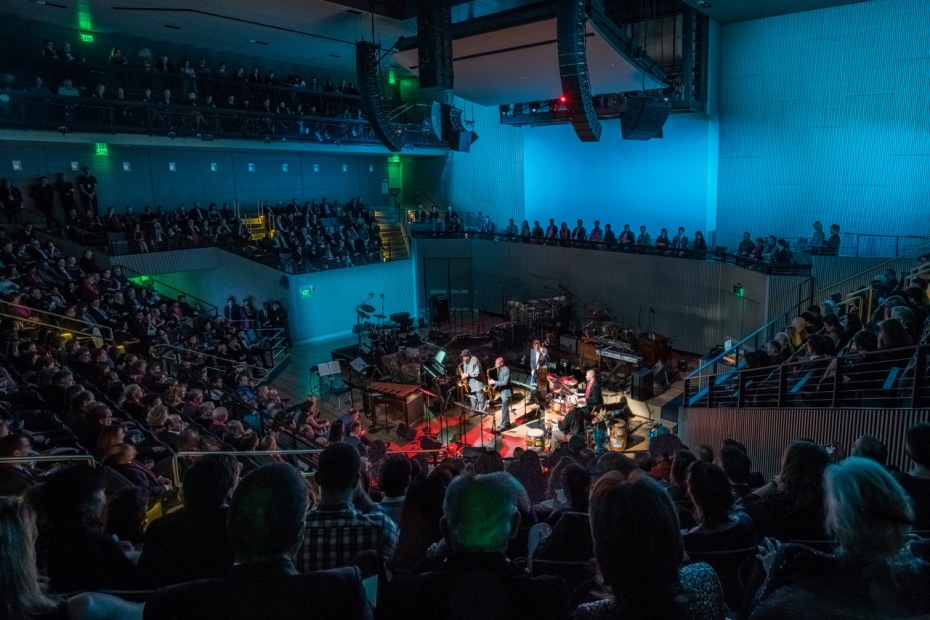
(896, 378)
(65, 114)
(799, 267)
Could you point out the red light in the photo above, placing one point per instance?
(562, 98)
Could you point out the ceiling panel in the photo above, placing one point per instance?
(732, 11)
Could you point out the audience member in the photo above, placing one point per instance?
(480, 516)
(791, 506)
(266, 522)
(336, 531)
(192, 543)
(871, 574)
(639, 552)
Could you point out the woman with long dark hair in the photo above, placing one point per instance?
(639, 552)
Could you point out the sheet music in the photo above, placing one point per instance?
(329, 368)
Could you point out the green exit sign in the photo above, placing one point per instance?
(102, 149)
(87, 38)
(305, 291)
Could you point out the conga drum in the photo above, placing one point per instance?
(535, 439)
(616, 434)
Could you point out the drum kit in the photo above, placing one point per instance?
(536, 312)
(375, 337)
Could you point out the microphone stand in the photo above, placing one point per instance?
(483, 414)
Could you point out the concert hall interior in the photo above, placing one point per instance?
(574, 227)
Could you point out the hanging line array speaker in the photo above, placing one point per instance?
(371, 88)
(573, 70)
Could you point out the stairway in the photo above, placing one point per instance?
(395, 248)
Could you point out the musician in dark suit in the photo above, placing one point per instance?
(539, 357)
(502, 383)
(470, 372)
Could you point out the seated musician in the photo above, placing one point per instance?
(576, 420)
(592, 392)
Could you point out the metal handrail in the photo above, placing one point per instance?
(57, 328)
(61, 458)
(155, 349)
(102, 328)
(176, 472)
(702, 391)
(925, 246)
(205, 304)
(821, 290)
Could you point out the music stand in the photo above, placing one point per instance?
(483, 415)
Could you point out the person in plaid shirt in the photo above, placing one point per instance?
(336, 531)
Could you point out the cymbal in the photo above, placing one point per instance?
(568, 380)
(379, 316)
(361, 314)
(367, 308)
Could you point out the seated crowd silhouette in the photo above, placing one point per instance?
(193, 98)
(773, 251)
(859, 353)
(318, 234)
(673, 533)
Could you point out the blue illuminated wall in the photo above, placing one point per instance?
(659, 183)
(823, 115)
(487, 179)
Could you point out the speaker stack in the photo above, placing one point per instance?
(434, 44)
(371, 89)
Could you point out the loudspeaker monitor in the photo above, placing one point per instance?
(642, 384)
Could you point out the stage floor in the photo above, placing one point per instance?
(457, 428)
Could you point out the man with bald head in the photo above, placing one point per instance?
(502, 384)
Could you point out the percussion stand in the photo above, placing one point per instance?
(374, 424)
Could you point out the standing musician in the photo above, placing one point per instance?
(470, 374)
(539, 358)
(502, 383)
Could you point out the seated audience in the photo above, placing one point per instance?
(639, 552)
(791, 506)
(192, 543)
(871, 573)
(917, 480)
(336, 531)
(266, 521)
(477, 581)
(23, 595)
(76, 554)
